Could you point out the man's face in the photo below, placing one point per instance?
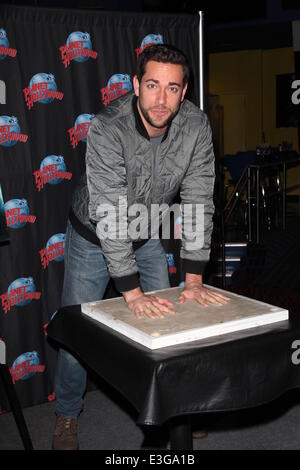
(160, 93)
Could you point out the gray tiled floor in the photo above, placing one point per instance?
(107, 424)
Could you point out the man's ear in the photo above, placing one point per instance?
(136, 85)
(184, 91)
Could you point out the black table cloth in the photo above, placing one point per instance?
(230, 372)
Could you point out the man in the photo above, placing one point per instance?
(141, 149)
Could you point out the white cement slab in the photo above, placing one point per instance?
(191, 322)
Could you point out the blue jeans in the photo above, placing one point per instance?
(86, 278)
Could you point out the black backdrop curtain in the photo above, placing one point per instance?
(59, 67)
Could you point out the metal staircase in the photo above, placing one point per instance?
(256, 204)
(234, 252)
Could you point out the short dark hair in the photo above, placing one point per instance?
(166, 54)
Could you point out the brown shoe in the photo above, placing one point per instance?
(65, 434)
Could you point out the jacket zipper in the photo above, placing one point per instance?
(154, 169)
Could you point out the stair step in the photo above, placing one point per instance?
(237, 244)
(226, 275)
(233, 246)
(231, 259)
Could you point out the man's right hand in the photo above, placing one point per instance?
(149, 305)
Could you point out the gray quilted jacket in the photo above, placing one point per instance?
(120, 166)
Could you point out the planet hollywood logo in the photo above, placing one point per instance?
(171, 263)
(42, 89)
(19, 293)
(52, 170)
(26, 366)
(51, 396)
(149, 40)
(78, 48)
(54, 249)
(118, 85)
(10, 132)
(5, 50)
(17, 213)
(80, 130)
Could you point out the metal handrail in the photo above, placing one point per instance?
(237, 189)
(245, 180)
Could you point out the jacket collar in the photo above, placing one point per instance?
(140, 125)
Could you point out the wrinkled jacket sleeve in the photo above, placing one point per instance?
(107, 185)
(196, 192)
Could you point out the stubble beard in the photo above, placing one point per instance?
(154, 124)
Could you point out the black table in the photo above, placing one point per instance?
(166, 386)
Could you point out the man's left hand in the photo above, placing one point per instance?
(202, 295)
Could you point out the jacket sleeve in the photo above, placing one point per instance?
(196, 191)
(107, 185)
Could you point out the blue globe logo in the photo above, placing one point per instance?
(54, 160)
(33, 359)
(28, 282)
(4, 42)
(151, 39)
(44, 78)
(124, 79)
(17, 204)
(14, 127)
(83, 37)
(170, 259)
(83, 118)
(57, 238)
